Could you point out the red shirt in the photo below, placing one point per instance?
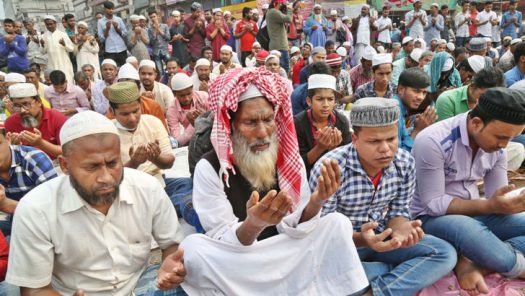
(52, 122)
(248, 38)
(297, 71)
(4, 254)
(375, 180)
(472, 29)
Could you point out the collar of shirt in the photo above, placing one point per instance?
(463, 132)
(66, 91)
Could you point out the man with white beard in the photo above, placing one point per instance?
(251, 194)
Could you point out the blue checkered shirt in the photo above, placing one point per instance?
(367, 91)
(358, 199)
(29, 168)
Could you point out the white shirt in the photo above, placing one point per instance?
(417, 29)
(59, 238)
(462, 31)
(381, 23)
(486, 29)
(363, 32)
(496, 31)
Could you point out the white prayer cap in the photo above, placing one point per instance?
(333, 12)
(321, 81)
(134, 17)
(22, 90)
(141, 17)
(407, 39)
(369, 53)
(86, 123)
(127, 71)
(347, 43)
(265, 6)
(50, 17)
(131, 59)
(435, 5)
(341, 51)
(14, 77)
(181, 81)
(251, 92)
(255, 11)
(476, 62)
(82, 24)
(449, 63)
(451, 46)
(416, 54)
(227, 12)
(366, 5)
(442, 41)
(317, 5)
(109, 62)
(514, 41)
(148, 63)
(227, 48)
(2, 73)
(294, 49)
(381, 49)
(344, 18)
(202, 62)
(215, 10)
(434, 39)
(256, 44)
(175, 13)
(272, 56)
(488, 39)
(382, 58)
(416, 1)
(275, 53)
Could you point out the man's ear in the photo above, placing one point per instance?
(63, 164)
(309, 101)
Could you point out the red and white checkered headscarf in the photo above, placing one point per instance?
(224, 97)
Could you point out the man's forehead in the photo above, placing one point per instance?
(254, 107)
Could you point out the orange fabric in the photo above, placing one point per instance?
(147, 106)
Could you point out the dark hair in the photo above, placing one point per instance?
(57, 77)
(356, 129)
(205, 48)
(312, 92)
(68, 16)
(489, 77)
(385, 8)
(465, 66)
(9, 21)
(29, 70)
(488, 3)
(444, 6)
(109, 4)
(192, 59)
(36, 65)
(246, 11)
(518, 52)
(458, 51)
(486, 117)
(415, 78)
(2, 131)
(173, 59)
(80, 76)
(320, 68)
(328, 43)
(374, 68)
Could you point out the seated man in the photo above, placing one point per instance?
(189, 104)
(321, 128)
(152, 89)
(469, 67)
(380, 86)
(411, 92)
(145, 144)
(226, 64)
(64, 96)
(451, 157)
(22, 168)
(172, 68)
(300, 93)
(202, 75)
(282, 231)
(14, 78)
(378, 185)
(33, 124)
(96, 223)
(147, 106)
(410, 61)
(109, 76)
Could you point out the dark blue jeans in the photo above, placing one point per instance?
(285, 60)
(180, 192)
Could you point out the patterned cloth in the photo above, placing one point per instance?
(367, 90)
(357, 198)
(29, 168)
(224, 96)
(357, 78)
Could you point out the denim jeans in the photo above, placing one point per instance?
(147, 284)
(460, 41)
(285, 60)
(405, 271)
(491, 241)
(161, 57)
(180, 191)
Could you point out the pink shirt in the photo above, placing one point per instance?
(72, 98)
(177, 117)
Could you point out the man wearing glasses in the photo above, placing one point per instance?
(33, 124)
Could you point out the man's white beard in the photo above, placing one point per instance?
(257, 167)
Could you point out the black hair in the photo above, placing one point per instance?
(109, 4)
(246, 12)
(205, 48)
(192, 59)
(444, 6)
(458, 51)
(9, 21)
(173, 59)
(519, 52)
(328, 43)
(312, 92)
(415, 78)
(2, 131)
(374, 68)
(57, 77)
(68, 16)
(80, 76)
(488, 3)
(36, 65)
(489, 77)
(152, 11)
(29, 70)
(486, 117)
(465, 66)
(320, 68)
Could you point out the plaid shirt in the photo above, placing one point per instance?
(29, 168)
(357, 198)
(357, 78)
(367, 91)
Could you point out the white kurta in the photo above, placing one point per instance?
(57, 54)
(316, 257)
(88, 54)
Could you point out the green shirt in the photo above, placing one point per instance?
(452, 102)
(275, 21)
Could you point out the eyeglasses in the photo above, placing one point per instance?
(25, 106)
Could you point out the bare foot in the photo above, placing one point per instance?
(470, 277)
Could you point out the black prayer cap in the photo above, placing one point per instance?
(414, 77)
(503, 104)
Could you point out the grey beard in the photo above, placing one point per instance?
(29, 121)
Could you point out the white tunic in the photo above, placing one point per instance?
(57, 54)
(381, 23)
(316, 257)
(417, 29)
(88, 54)
(486, 29)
